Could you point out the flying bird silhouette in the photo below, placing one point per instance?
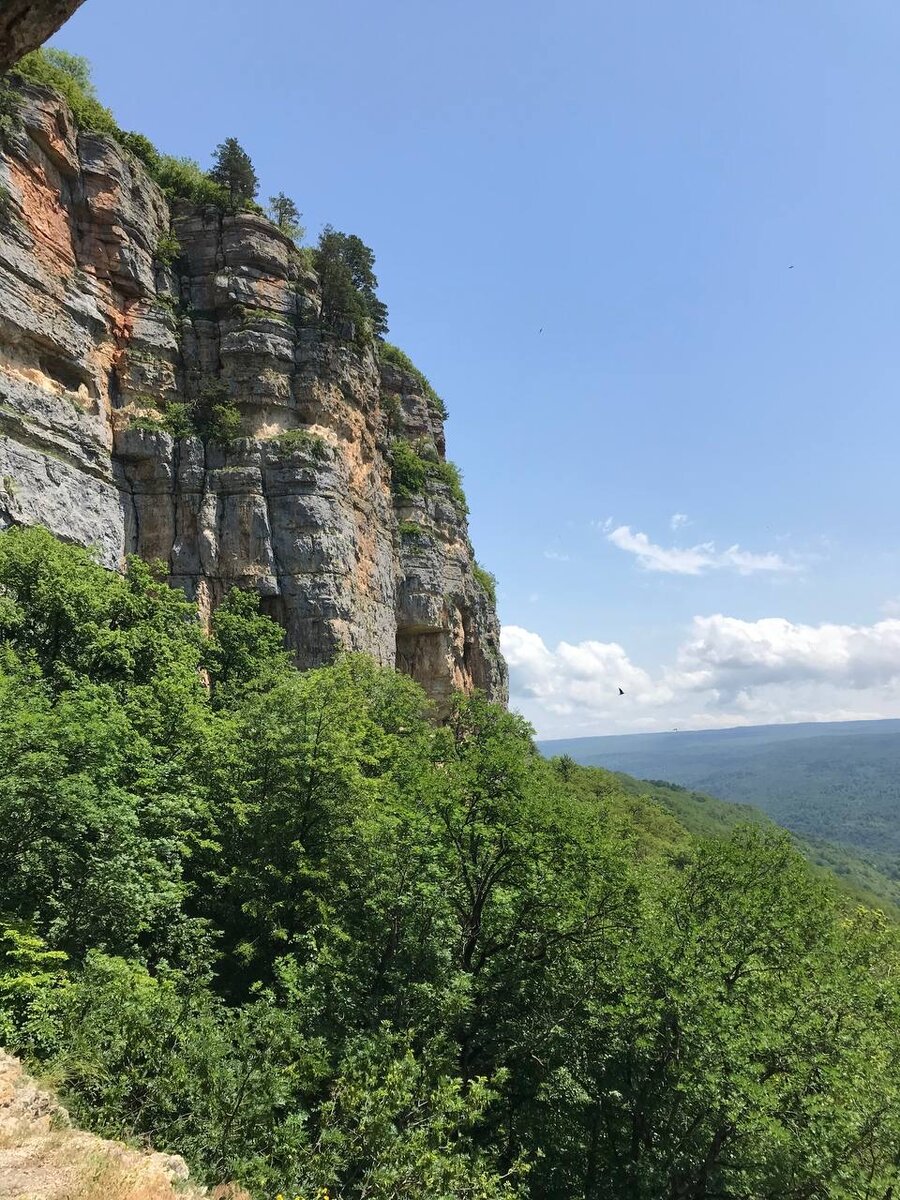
(621, 693)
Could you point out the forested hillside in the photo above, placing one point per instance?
(867, 876)
(284, 924)
(835, 781)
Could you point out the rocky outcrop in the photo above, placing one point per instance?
(118, 314)
(26, 24)
(44, 1157)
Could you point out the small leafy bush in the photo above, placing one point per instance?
(176, 419)
(410, 529)
(249, 316)
(10, 118)
(148, 424)
(390, 405)
(302, 439)
(408, 471)
(6, 207)
(185, 179)
(449, 474)
(486, 581)
(168, 248)
(223, 423)
(411, 469)
(394, 355)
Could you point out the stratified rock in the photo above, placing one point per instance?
(96, 332)
(26, 24)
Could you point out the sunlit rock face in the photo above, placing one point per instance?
(99, 340)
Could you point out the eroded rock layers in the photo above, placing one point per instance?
(117, 312)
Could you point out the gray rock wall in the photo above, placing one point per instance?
(98, 338)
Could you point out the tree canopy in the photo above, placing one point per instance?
(285, 924)
(233, 171)
(286, 215)
(346, 269)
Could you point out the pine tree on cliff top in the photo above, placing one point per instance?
(234, 171)
(286, 215)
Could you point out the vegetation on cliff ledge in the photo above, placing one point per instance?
(350, 307)
(284, 924)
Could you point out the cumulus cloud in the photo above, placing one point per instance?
(693, 560)
(677, 520)
(725, 672)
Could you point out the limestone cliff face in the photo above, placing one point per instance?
(98, 337)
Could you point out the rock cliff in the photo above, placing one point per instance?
(117, 312)
(25, 24)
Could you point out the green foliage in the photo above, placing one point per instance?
(286, 215)
(221, 423)
(177, 419)
(214, 414)
(168, 248)
(244, 646)
(251, 316)
(350, 306)
(183, 178)
(411, 471)
(391, 407)
(10, 117)
(449, 474)
(69, 75)
(6, 206)
(487, 582)
(410, 529)
(148, 424)
(286, 925)
(408, 471)
(29, 971)
(392, 354)
(233, 171)
(179, 178)
(310, 444)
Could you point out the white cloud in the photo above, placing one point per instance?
(725, 672)
(556, 556)
(694, 560)
(678, 519)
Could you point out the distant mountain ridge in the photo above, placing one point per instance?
(839, 781)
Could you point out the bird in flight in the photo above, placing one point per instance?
(621, 693)
(791, 267)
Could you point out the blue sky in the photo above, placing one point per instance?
(585, 217)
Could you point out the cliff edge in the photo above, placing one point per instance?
(119, 313)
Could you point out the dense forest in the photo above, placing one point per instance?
(866, 875)
(838, 781)
(289, 926)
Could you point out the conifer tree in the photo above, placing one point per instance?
(234, 171)
(346, 271)
(286, 215)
